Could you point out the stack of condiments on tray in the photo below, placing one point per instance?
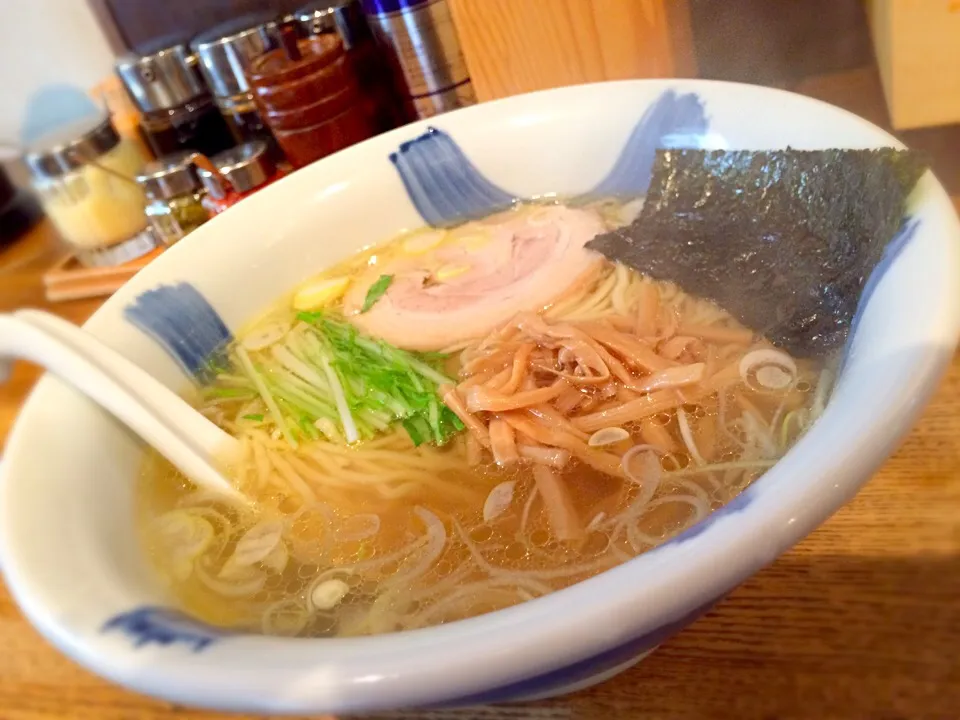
(232, 110)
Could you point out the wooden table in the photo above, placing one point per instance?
(861, 620)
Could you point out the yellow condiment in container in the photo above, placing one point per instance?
(84, 175)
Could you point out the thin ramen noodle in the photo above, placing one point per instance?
(402, 487)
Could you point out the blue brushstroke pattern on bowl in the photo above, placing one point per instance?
(164, 626)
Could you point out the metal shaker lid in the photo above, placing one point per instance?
(161, 80)
(71, 146)
(246, 167)
(224, 52)
(170, 176)
(344, 17)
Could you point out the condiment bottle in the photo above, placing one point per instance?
(178, 112)
(176, 196)
(308, 94)
(424, 45)
(84, 175)
(241, 171)
(382, 94)
(224, 54)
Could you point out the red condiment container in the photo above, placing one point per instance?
(380, 77)
(240, 172)
(312, 103)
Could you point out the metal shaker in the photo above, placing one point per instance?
(426, 48)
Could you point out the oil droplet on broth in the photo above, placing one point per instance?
(540, 538)
(672, 462)
(595, 544)
(308, 571)
(481, 534)
(515, 551)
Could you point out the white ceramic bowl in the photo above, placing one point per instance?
(70, 549)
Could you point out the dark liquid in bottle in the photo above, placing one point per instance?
(201, 129)
(246, 124)
(385, 105)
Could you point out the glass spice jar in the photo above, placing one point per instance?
(84, 175)
(176, 196)
(240, 172)
(177, 111)
(224, 54)
(244, 119)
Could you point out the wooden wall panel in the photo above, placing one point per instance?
(917, 45)
(515, 46)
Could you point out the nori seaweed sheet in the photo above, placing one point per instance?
(784, 240)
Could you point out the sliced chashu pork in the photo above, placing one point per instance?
(489, 271)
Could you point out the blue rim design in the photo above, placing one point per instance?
(443, 184)
(672, 121)
(164, 626)
(181, 320)
(447, 189)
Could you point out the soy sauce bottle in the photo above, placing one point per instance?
(177, 112)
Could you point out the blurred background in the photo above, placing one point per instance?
(127, 87)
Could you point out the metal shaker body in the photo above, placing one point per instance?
(426, 48)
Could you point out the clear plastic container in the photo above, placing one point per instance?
(84, 176)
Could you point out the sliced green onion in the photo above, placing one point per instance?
(268, 398)
(324, 378)
(346, 419)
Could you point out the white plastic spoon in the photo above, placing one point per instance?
(159, 416)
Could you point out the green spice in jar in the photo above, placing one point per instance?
(175, 196)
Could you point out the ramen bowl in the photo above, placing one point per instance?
(69, 538)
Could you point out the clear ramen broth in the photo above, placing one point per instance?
(573, 426)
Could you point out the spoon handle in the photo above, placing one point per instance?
(122, 394)
(193, 426)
